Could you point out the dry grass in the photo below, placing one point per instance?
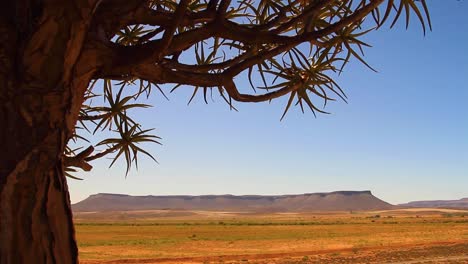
(204, 234)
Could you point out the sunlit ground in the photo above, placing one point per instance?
(197, 237)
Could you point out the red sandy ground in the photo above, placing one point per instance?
(437, 252)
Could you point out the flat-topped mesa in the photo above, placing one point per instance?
(107, 194)
(332, 201)
(214, 196)
(367, 192)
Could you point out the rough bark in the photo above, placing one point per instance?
(42, 85)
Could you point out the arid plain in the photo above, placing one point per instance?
(170, 236)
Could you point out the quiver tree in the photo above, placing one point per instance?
(58, 57)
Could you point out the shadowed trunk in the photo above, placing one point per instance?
(36, 220)
(41, 91)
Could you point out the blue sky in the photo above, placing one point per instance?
(403, 135)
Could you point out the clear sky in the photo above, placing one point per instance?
(403, 135)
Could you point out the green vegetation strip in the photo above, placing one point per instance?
(222, 223)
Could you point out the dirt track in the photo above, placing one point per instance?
(439, 252)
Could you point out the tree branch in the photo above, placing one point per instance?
(92, 117)
(223, 6)
(144, 61)
(355, 17)
(79, 161)
(83, 158)
(126, 57)
(233, 92)
(207, 67)
(163, 18)
(158, 74)
(309, 12)
(102, 154)
(129, 56)
(175, 23)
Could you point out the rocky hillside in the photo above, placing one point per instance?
(333, 201)
(462, 204)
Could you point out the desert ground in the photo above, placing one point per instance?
(406, 236)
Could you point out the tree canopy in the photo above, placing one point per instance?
(293, 49)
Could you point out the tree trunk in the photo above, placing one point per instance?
(42, 86)
(35, 214)
(36, 220)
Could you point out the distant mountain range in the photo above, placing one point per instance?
(333, 201)
(462, 204)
